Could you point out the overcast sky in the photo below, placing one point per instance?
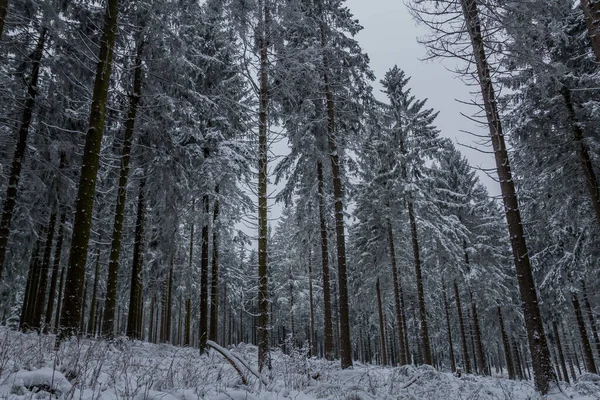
(389, 38)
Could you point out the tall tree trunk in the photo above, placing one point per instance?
(117, 234)
(188, 322)
(135, 294)
(92, 320)
(463, 334)
(55, 268)
(313, 334)
(151, 328)
(510, 366)
(10, 200)
(263, 117)
(381, 325)
(30, 287)
(583, 152)
(569, 353)
(420, 289)
(529, 301)
(478, 342)
(403, 358)
(169, 304)
(214, 281)
(338, 195)
(292, 305)
(203, 326)
(40, 296)
(591, 12)
(590, 314)
(59, 298)
(448, 328)
(83, 306)
(87, 179)
(327, 311)
(561, 355)
(3, 10)
(588, 356)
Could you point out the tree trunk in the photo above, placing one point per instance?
(188, 322)
(561, 355)
(510, 366)
(30, 287)
(448, 329)
(92, 320)
(263, 279)
(83, 305)
(338, 195)
(313, 334)
(327, 311)
(59, 298)
(40, 295)
(87, 180)
(583, 152)
(403, 358)
(117, 234)
(529, 300)
(591, 318)
(214, 281)
(569, 353)
(10, 200)
(463, 334)
(3, 10)
(588, 356)
(169, 304)
(420, 290)
(478, 342)
(203, 326)
(55, 268)
(591, 12)
(135, 294)
(381, 325)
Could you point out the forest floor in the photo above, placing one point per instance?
(30, 368)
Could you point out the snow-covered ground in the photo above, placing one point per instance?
(30, 368)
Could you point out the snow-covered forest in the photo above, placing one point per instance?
(140, 157)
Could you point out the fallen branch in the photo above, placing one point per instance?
(232, 360)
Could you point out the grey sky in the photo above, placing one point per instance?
(389, 38)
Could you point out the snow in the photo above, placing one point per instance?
(85, 369)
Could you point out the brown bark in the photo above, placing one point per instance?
(87, 179)
(538, 347)
(117, 233)
(561, 355)
(448, 328)
(591, 12)
(214, 281)
(83, 305)
(588, 356)
(263, 119)
(55, 268)
(338, 196)
(92, 320)
(10, 200)
(402, 350)
(463, 333)
(135, 293)
(510, 366)
(381, 325)
(583, 152)
(327, 311)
